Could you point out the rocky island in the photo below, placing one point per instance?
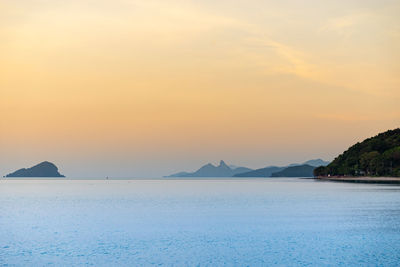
(44, 169)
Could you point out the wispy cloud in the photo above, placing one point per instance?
(345, 24)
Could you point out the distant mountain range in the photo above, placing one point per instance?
(223, 170)
(316, 162)
(209, 170)
(263, 172)
(296, 171)
(44, 169)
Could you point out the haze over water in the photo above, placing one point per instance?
(206, 222)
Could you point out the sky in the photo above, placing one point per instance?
(147, 88)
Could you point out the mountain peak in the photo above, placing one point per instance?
(316, 162)
(223, 164)
(210, 170)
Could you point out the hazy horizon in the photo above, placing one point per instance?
(97, 174)
(148, 88)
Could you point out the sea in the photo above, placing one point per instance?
(198, 222)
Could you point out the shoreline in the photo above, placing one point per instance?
(364, 179)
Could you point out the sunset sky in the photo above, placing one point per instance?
(147, 88)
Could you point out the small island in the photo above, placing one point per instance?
(375, 160)
(44, 169)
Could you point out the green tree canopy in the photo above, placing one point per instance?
(375, 156)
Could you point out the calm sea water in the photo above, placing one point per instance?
(212, 222)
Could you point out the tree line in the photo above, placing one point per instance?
(375, 156)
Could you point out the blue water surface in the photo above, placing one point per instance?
(209, 222)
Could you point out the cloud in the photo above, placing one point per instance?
(344, 24)
(297, 64)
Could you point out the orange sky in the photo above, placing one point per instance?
(146, 88)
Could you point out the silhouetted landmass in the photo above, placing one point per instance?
(316, 162)
(375, 156)
(268, 171)
(264, 172)
(44, 169)
(180, 174)
(296, 171)
(210, 170)
(223, 170)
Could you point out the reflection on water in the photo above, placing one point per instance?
(255, 222)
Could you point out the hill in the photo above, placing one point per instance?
(268, 171)
(44, 169)
(263, 172)
(316, 162)
(296, 171)
(209, 170)
(375, 156)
